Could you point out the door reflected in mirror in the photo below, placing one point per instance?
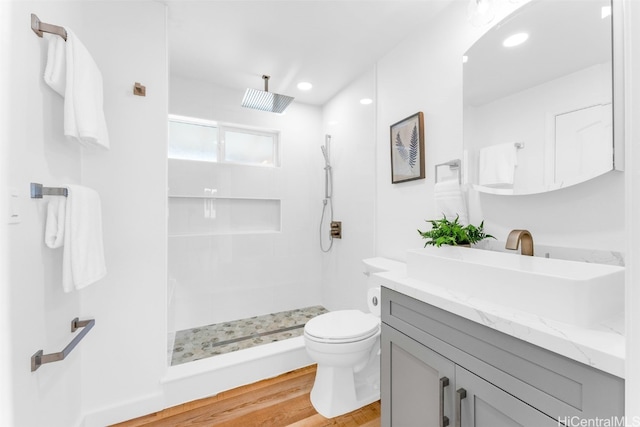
(538, 90)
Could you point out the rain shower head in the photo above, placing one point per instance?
(265, 100)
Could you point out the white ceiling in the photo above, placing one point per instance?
(326, 42)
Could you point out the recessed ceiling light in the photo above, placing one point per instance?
(465, 59)
(304, 86)
(366, 101)
(515, 40)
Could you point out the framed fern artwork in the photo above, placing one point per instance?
(407, 149)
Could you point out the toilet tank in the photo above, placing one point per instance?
(378, 265)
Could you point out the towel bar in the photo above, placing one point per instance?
(37, 191)
(40, 27)
(453, 164)
(39, 359)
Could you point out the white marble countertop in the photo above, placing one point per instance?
(602, 347)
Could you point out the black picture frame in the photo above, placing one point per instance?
(407, 149)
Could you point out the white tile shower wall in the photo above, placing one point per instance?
(352, 129)
(226, 277)
(425, 74)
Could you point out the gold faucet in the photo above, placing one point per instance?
(514, 239)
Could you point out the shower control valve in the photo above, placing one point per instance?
(336, 229)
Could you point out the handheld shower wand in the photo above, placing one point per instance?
(325, 154)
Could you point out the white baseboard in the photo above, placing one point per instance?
(125, 411)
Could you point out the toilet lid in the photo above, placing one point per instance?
(342, 326)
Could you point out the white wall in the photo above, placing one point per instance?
(424, 73)
(352, 129)
(632, 153)
(123, 365)
(39, 312)
(115, 363)
(225, 277)
(6, 360)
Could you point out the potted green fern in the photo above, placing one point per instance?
(445, 232)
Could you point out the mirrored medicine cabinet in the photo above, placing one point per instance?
(541, 111)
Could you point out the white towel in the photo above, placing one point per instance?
(72, 72)
(450, 202)
(54, 227)
(55, 72)
(83, 257)
(497, 165)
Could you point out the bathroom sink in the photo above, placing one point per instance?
(578, 293)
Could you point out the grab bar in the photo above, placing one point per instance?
(453, 164)
(37, 191)
(39, 359)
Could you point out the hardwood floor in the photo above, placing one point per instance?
(277, 402)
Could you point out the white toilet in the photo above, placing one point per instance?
(346, 346)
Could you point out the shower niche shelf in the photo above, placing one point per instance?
(213, 216)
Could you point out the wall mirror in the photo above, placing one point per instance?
(539, 99)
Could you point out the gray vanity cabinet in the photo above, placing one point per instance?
(423, 387)
(485, 405)
(507, 382)
(414, 380)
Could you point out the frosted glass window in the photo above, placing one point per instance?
(192, 141)
(249, 148)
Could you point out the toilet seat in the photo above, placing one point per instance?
(342, 326)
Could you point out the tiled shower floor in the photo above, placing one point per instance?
(211, 340)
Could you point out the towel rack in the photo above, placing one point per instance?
(39, 359)
(453, 164)
(40, 27)
(37, 191)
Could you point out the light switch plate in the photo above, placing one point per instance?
(14, 206)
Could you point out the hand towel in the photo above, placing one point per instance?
(54, 226)
(55, 72)
(72, 72)
(83, 260)
(450, 202)
(497, 165)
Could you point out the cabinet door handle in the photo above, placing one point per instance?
(444, 420)
(460, 394)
